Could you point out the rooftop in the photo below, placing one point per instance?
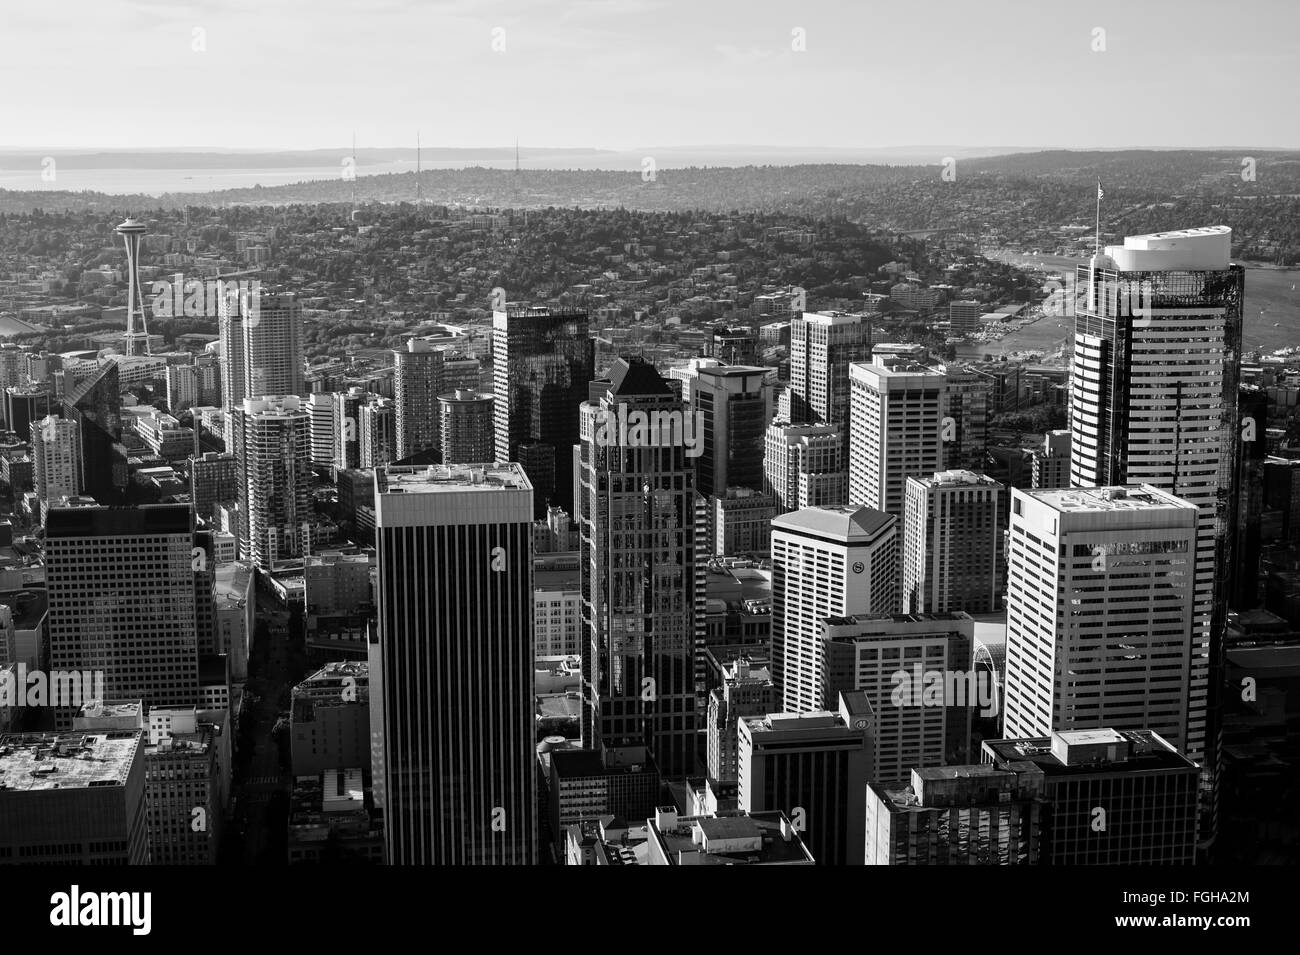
(76, 760)
(1132, 497)
(842, 523)
(457, 477)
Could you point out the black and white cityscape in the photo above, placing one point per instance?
(403, 463)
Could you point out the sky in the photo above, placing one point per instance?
(631, 74)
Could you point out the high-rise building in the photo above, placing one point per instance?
(377, 432)
(122, 599)
(182, 387)
(272, 440)
(805, 465)
(952, 543)
(543, 361)
(1100, 611)
(347, 435)
(417, 382)
(956, 815)
(896, 430)
(183, 788)
(746, 690)
(734, 404)
(1051, 462)
(813, 766)
(25, 404)
(272, 328)
(467, 422)
(214, 479)
(963, 317)
(1153, 399)
(964, 426)
(451, 673)
(73, 800)
(822, 345)
(741, 522)
(230, 337)
(915, 671)
(826, 562)
(1145, 789)
(56, 460)
(322, 409)
(637, 518)
(95, 404)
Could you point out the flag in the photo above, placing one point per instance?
(1100, 194)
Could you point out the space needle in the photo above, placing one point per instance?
(131, 230)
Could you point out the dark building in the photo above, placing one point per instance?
(25, 404)
(96, 406)
(543, 361)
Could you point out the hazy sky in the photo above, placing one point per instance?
(626, 74)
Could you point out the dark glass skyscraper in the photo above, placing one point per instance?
(96, 405)
(543, 360)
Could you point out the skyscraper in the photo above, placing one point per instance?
(418, 379)
(1153, 399)
(822, 345)
(377, 432)
(121, 584)
(543, 361)
(56, 460)
(805, 465)
(272, 439)
(826, 562)
(466, 427)
(451, 676)
(813, 766)
(896, 430)
(95, 404)
(952, 543)
(637, 519)
(1100, 611)
(735, 403)
(230, 335)
(272, 329)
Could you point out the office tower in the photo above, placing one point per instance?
(813, 767)
(272, 440)
(1099, 611)
(418, 379)
(1153, 399)
(451, 676)
(689, 374)
(543, 361)
(272, 330)
(207, 369)
(637, 517)
(741, 522)
(822, 345)
(13, 367)
(73, 801)
(121, 585)
(585, 784)
(963, 317)
(329, 719)
(964, 426)
(1145, 787)
(896, 430)
(746, 690)
(321, 408)
(56, 460)
(131, 232)
(95, 404)
(466, 427)
(1249, 488)
(956, 815)
(734, 404)
(183, 788)
(182, 387)
(952, 543)
(214, 479)
(347, 411)
(826, 562)
(735, 345)
(805, 465)
(377, 432)
(915, 670)
(25, 404)
(1051, 462)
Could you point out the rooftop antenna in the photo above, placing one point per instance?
(1099, 195)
